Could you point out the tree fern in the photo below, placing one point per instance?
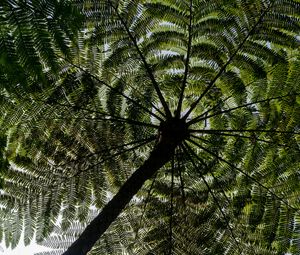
(188, 109)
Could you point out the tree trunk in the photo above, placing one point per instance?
(160, 155)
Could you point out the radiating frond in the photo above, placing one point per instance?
(189, 109)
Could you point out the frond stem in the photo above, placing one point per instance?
(200, 118)
(144, 207)
(195, 103)
(187, 61)
(137, 90)
(171, 208)
(254, 138)
(181, 179)
(189, 152)
(110, 157)
(117, 119)
(148, 68)
(110, 87)
(242, 172)
(213, 131)
(107, 150)
(110, 116)
(67, 178)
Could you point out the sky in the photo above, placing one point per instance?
(21, 249)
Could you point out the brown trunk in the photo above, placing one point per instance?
(160, 155)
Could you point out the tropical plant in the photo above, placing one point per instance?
(189, 109)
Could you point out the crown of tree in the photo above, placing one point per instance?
(151, 126)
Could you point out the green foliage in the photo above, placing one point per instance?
(84, 88)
